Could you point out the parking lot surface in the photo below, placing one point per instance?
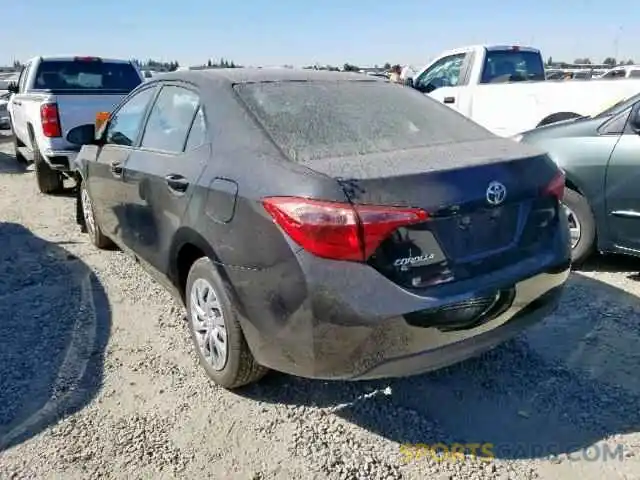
(98, 380)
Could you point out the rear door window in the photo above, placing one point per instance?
(170, 119)
(88, 75)
(512, 65)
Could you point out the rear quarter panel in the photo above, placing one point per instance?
(242, 154)
(584, 161)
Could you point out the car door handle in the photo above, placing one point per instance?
(177, 183)
(449, 99)
(116, 169)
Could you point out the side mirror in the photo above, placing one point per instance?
(82, 135)
(101, 119)
(12, 87)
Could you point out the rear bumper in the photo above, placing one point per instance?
(61, 160)
(313, 318)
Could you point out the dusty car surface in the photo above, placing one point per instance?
(326, 225)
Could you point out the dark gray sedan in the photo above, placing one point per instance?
(327, 225)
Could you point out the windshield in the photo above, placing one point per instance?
(618, 106)
(86, 75)
(314, 120)
(512, 66)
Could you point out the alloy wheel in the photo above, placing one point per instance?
(207, 319)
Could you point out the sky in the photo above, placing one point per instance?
(305, 32)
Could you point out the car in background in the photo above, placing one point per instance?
(5, 121)
(55, 94)
(328, 225)
(622, 71)
(600, 156)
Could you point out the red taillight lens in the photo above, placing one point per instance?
(50, 120)
(339, 231)
(555, 187)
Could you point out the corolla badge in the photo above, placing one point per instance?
(406, 261)
(496, 193)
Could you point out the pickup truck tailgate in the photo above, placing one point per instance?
(77, 110)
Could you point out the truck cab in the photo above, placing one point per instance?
(504, 88)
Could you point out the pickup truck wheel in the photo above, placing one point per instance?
(215, 331)
(582, 226)
(89, 219)
(49, 181)
(557, 117)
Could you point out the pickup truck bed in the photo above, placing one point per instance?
(55, 95)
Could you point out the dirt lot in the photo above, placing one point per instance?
(98, 379)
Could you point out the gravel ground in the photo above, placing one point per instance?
(98, 380)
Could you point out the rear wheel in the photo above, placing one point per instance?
(49, 180)
(89, 219)
(215, 330)
(582, 226)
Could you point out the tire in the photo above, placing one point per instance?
(49, 181)
(237, 367)
(557, 117)
(579, 207)
(89, 222)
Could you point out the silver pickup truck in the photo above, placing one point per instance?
(55, 94)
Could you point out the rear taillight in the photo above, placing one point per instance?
(339, 231)
(555, 187)
(50, 120)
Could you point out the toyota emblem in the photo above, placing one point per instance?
(496, 193)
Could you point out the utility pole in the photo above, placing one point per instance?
(616, 45)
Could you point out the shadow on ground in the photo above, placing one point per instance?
(565, 384)
(624, 264)
(54, 326)
(9, 165)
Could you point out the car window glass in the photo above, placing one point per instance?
(616, 125)
(22, 80)
(124, 127)
(511, 66)
(170, 119)
(444, 73)
(197, 135)
(634, 74)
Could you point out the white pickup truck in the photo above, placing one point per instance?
(55, 94)
(503, 88)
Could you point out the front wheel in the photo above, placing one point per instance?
(215, 330)
(582, 226)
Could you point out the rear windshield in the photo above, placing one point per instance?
(86, 75)
(512, 66)
(314, 120)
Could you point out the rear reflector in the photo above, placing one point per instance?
(50, 120)
(339, 231)
(86, 59)
(555, 187)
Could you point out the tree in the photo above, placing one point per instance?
(582, 61)
(387, 66)
(630, 62)
(610, 61)
(209, 63)
(549, 61)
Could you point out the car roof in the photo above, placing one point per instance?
(258, 75)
